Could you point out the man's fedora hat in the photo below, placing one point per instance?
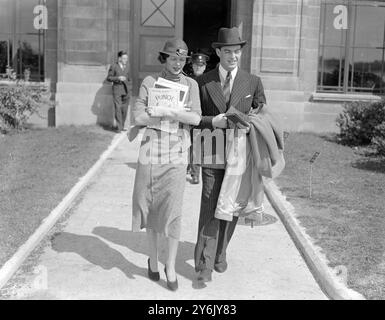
(228, 37)
(175, 47)
(199, 58)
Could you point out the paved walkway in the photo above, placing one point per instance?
(93, 255)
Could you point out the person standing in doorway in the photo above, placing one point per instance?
(118, 74)
(225, 86)
(199, 63)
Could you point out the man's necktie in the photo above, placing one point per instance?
(226, 88)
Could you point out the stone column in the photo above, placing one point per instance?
(90, 34)
(51, 45)
(242, 18)
(309, 46)
(276, 38)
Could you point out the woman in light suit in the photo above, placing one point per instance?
(159, 188)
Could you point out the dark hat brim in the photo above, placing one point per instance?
(216, 45)
(200, 63)
(174, 54)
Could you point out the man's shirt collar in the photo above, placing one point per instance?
(223, 72)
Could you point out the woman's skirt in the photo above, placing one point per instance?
(158, 198)
(159, 188)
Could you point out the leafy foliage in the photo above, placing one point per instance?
(379, 138)
(361, 123)
(18, 101)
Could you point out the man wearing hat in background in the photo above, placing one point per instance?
(221, 88)
(198, 63)
(119, 75)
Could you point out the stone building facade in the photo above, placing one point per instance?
(307, 52)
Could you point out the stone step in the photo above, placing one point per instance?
(286, 107)
(83, 88)
(280, 82)
(285, 95)
(324, 108)
(85, 99)
(84, 74)
(308, 122)
(306, 116)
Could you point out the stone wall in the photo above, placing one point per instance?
(283, 49)
(308, 58)
(276, 41)
(242, 17)
(285, 55)
(51, 45)
(91, 32)
(50, 67)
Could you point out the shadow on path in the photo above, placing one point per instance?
(99, 253)
(137, 242)
(96, 252)
(132, 165)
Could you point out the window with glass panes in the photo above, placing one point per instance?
(21, 45)
(352, 59)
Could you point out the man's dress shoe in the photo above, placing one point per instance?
(194, 180)
(220, 267)
(205, 275)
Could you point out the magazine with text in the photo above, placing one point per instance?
(168, 98)
(166, 84)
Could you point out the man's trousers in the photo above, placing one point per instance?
(121, 109)
(214, 235)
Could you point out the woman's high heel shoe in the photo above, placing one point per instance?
(173, 286)
(154, 276)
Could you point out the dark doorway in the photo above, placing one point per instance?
(202, 20)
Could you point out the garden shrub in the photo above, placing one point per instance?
(378, 140)
(17, 103)
(4, 127)
(358, 121)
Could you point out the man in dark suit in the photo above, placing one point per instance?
(118, 74)
(221, 88)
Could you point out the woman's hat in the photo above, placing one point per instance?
(176, 48)
(199, 58)
(228, 37)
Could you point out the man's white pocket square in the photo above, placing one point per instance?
(249, 96)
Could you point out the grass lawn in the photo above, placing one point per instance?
(346, 215)
(37, 169)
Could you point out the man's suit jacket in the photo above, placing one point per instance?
(119, 87)
(247, 93)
